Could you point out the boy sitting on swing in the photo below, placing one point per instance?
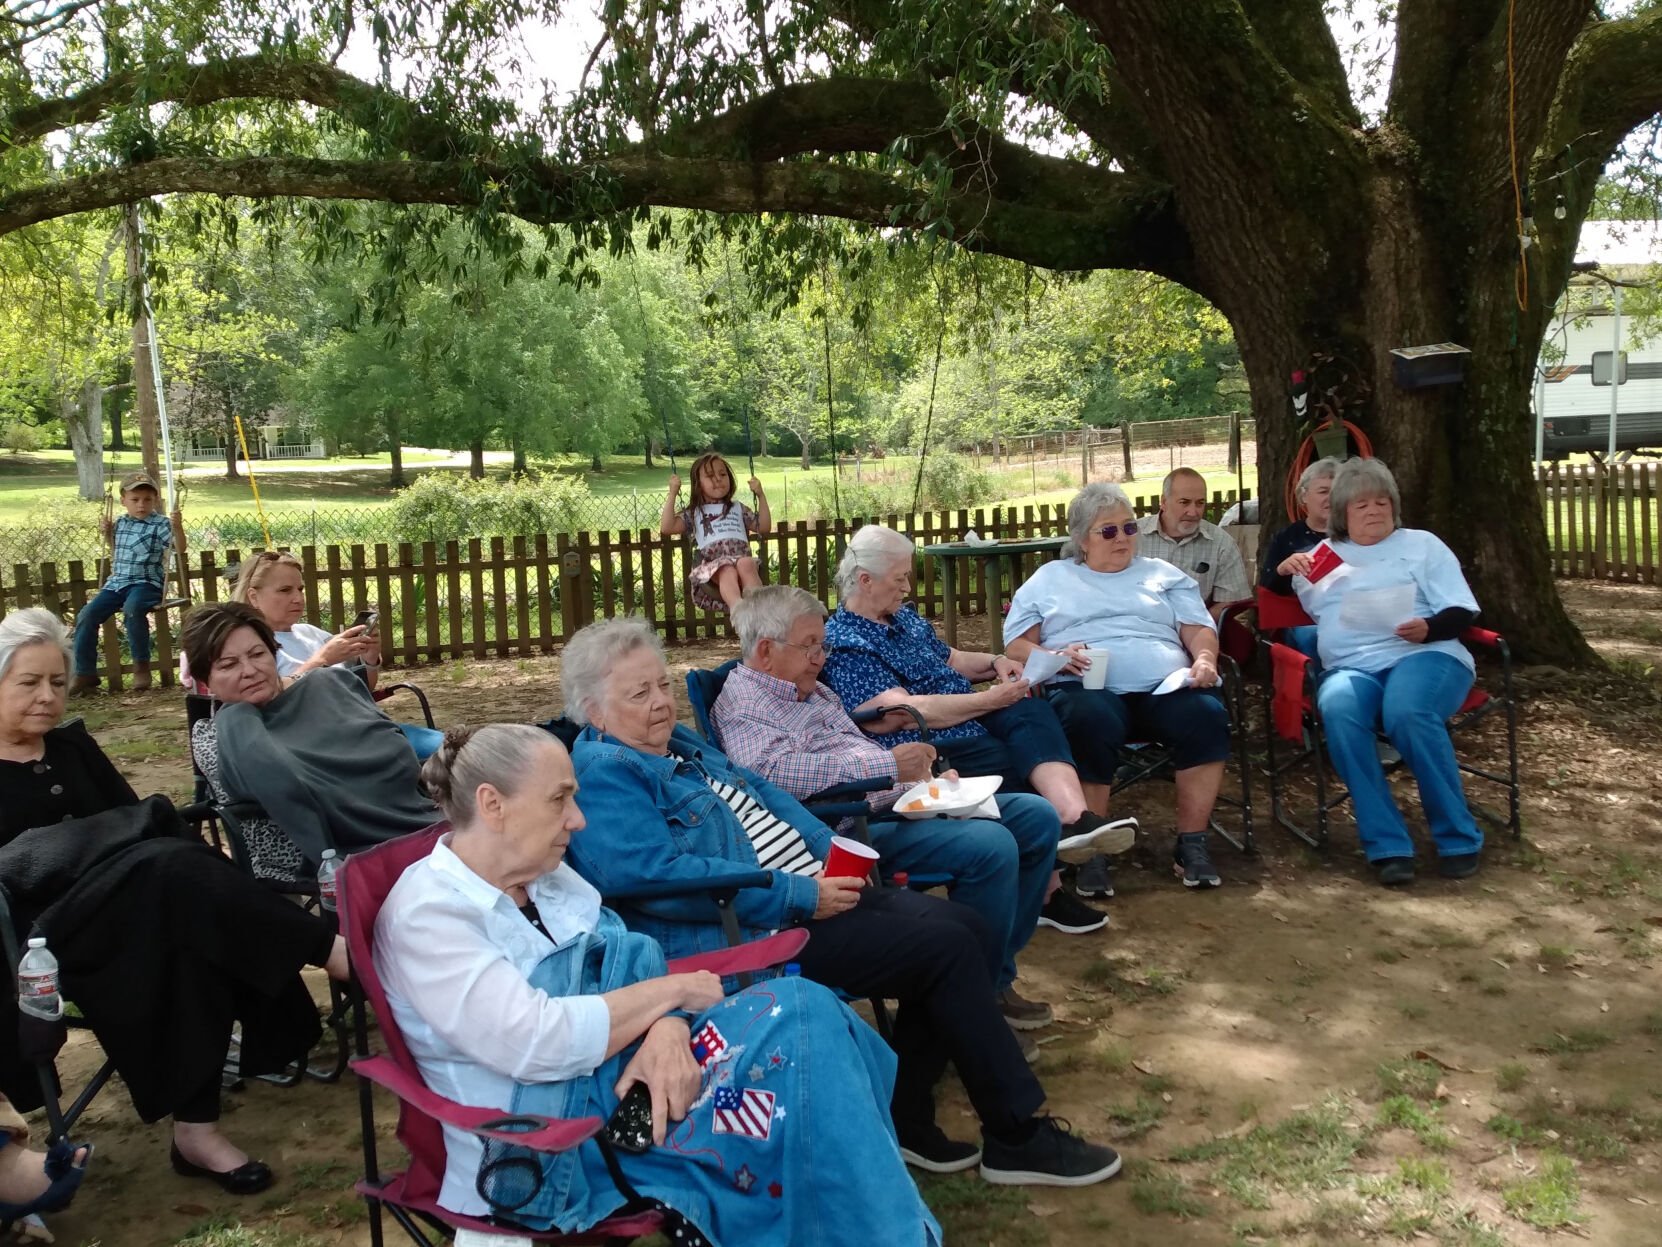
(138, 572)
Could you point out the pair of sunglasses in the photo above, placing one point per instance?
(1109, 531)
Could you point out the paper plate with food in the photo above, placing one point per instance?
(953, 798)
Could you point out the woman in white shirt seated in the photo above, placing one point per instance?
(274, 584)
(1388, 614)
(516, 991)
(1149, 617)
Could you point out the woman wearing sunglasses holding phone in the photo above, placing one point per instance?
(1149, 618)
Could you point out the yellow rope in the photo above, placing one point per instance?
(252, 483)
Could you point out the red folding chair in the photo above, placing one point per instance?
(412, 1195)
(1291, 718)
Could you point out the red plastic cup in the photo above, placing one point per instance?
(849, 859)
(1322, 561)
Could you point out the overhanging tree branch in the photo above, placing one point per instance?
(1126, 223)
(395, 121)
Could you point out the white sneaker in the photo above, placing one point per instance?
(1103, 837)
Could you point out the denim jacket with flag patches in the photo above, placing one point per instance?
(653, 818)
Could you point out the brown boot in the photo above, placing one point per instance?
(141, 677)
(83, 684)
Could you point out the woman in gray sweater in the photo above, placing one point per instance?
(327, 766)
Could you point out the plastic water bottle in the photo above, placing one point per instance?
(37, 983)
(327, 870)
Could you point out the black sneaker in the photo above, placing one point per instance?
(1052, 1156)
(1095, 879)
(1068, 914)
(1457, 865)
(1394, 872)
(931, 1150)
(1192, 862)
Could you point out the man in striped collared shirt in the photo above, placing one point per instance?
(774, 717)
(1193, 544)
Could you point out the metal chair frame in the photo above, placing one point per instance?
(1283, 757)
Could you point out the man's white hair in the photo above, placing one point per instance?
(769, 612)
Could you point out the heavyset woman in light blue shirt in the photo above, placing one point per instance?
(1387, 621)
(1151, 619)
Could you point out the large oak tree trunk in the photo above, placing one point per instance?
(395, 448)
(476, 459)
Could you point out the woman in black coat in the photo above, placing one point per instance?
(161, 942)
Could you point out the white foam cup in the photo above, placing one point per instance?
(1096, 675)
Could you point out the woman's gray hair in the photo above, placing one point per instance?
(33, 626)
(589, 655)
(769, 612)
(872, 550)
(1358, 479)
(1097, 498)
(1315, 472)
(499, 754)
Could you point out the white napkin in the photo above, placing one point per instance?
(1176, 680)
(1041, 665)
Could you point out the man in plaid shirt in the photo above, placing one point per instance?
(1193, 544)
(774, 717)
(138, 572)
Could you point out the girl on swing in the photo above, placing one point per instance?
(721, 529)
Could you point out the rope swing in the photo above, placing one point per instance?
(744, 390)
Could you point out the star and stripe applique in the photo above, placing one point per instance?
(748, 1113)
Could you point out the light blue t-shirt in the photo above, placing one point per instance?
(1133, 614)
(1407, 556)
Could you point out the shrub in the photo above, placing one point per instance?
(440, 507)
(19, 437)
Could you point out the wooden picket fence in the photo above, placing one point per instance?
(506, 597)
(1603, 523)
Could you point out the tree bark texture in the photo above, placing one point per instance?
(83, 420)
(476, 459)
(395, 448)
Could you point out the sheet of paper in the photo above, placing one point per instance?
(1041, 665)
(1377, 610)
(1176, 680)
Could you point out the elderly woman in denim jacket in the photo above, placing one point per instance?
(664, 805)
(515, 990)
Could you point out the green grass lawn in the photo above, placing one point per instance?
(298, 486)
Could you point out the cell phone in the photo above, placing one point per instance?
(367, 620)
(630, 1125)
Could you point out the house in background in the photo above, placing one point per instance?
(1572, 414)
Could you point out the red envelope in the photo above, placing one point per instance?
(1322, 561)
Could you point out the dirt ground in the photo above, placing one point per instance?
(1297, 1058)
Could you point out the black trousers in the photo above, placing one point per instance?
(928, 954)
(189, 946)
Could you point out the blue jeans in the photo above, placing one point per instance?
(1020, 738)
(423, 739)
(135, 602)
(1001, 870)
(1412, 702)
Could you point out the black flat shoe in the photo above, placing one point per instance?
(249, 1178)
(1457, 866)
(1394, 872)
